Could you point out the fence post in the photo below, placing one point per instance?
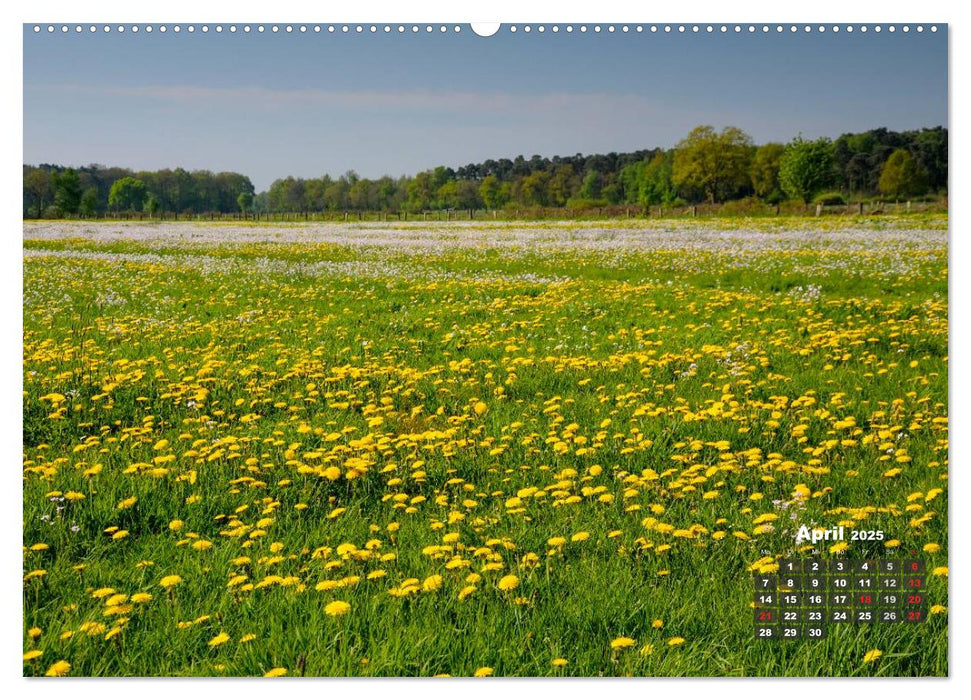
(861, 208)
(819, 209)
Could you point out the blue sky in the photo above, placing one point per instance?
(270, 105)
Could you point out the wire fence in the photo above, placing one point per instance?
(624, 211)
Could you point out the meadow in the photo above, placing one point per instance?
(474, 449)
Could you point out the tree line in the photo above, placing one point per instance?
(707, 165)
(52, 191)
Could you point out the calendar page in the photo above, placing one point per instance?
(430, 349)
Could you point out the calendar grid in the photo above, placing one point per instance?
(804, 597)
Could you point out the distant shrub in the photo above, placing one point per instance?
(746, 206)
(927, 198)
(829, 198)
(794, 207)
(586, 203)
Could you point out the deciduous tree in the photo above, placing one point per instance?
(127, 193)
(902, 176)
(89, 202)
(244, 201)
(765, 170)
(712, 162)
(67, 191)
(806, 168)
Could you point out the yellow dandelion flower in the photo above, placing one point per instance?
(59, 668)
(675, 641)
(220, 638)
(508, 583)
(872, 656)
(647, 649)
(170, 581)
(559, 663)
(32, 654)
(275, 672)
(247, 638)
(127, 503)
(622, 643)
(332, 473)
(337, 608)
(483, 671)
(432, 583)
(940, 571)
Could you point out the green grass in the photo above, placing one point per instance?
(725, 372)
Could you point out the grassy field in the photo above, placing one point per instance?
(551, 449)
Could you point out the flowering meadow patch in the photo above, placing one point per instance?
(473, 450)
